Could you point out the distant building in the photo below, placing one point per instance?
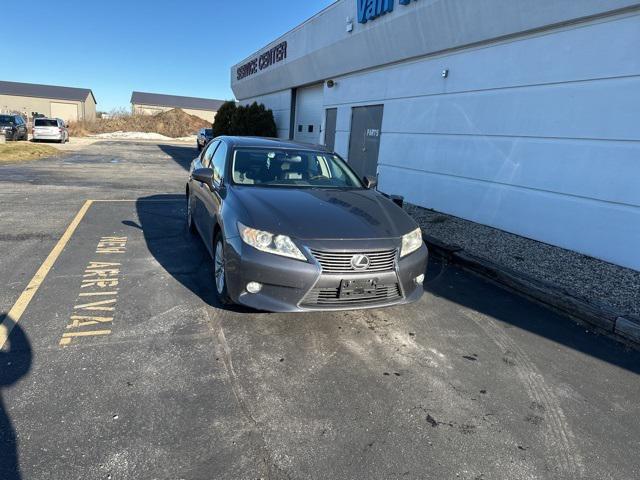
(151, 103)
(68, 103)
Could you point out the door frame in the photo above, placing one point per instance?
(326, 129)
(353, 108)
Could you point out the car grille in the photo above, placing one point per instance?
(340, 262)
(330, 297)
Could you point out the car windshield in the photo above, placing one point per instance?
(208, 132)
(288, 168)
(45, 122)
(6, 119)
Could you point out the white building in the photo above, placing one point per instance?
(516, 114)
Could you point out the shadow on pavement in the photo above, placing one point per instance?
(15, 363)
(473, 292)
(180, 253)
(184, 256)
(182, 155)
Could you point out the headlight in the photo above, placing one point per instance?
(270, 243)
(411, 242)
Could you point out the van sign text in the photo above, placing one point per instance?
(372, 9)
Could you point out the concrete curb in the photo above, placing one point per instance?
(602, 318)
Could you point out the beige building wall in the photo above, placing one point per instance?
(152, 110)
(27, 105)
(90, 109)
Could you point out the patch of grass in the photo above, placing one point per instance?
(14, 152)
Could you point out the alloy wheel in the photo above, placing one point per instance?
(189, 211)
(218, 268)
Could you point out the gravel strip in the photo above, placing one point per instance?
(588, 278)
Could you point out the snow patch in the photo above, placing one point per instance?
(141, 136)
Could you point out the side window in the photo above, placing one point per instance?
(219, 161)
(208, 153)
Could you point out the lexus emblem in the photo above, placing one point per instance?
(360, 262)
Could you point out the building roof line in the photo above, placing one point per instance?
(175, 101)
(54, 92)
(288, 32)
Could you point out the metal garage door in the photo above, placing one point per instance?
(309, 114)
(66, 111)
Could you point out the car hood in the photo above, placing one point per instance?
(323, 213)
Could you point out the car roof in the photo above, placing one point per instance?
(264, 142)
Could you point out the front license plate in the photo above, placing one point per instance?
(361, 287)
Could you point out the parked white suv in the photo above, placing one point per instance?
(50, 129)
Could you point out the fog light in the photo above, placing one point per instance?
(420, 279)
(254, 287)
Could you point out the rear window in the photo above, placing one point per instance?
(45, 122)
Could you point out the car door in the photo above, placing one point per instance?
(212, 197)
(21, 128)
(63, 127)
(200, 190)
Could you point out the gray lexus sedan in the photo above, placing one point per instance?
(290, 227)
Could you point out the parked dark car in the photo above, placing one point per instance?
(204, 136)
(290, 227)
(14, 127)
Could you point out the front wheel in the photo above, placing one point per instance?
(191, 226)
(219, 272)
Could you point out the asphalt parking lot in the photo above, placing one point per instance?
(123, 366)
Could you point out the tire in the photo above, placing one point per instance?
(219, 273)
(191, 226)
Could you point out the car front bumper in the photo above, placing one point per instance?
(290, 285)
(9, 134)
(40, 136)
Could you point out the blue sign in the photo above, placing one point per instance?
(372, 9)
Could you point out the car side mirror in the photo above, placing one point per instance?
(204, 175)
(370, 182)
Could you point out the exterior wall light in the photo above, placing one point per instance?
(349, 25)
(445, 73)
(331, 83)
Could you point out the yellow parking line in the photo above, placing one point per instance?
(26, 296)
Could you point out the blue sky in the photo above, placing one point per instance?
(115, 46)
